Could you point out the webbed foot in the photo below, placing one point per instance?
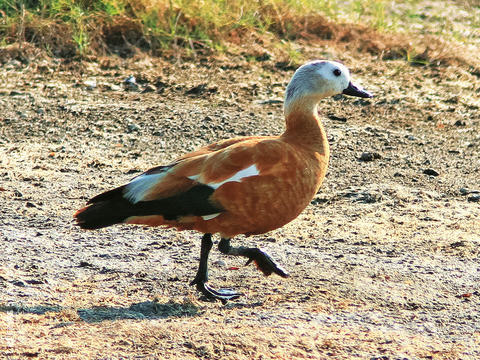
(210, 293)
(265, 263)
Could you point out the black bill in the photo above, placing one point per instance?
(354, 90)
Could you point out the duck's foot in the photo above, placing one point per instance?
(221, 294)
(264, 262)
(201, 278)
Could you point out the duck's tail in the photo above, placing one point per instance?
(112, 207)
(104, 210)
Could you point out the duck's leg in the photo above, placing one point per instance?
(202, 275)
(263, 261)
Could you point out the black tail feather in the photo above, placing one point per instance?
(111, 207)
(103, 214)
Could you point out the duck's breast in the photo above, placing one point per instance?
(283, 181)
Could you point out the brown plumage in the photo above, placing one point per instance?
(245, 185)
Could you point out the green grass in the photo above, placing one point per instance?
(80, 27)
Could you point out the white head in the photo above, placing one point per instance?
(321, 78)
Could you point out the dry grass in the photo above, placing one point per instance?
(70, 28)
(65, 334)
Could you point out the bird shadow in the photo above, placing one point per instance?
(139, 311)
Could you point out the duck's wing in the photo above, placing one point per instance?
(263, 182)
(168, 192)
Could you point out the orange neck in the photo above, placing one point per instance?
(304, 127)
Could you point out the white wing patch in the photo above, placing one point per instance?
(194, 177)
(136, 190)
(238, 176)
(210, 216)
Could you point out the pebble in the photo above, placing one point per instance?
(474, 198)
(369, 156)
(90, 84)
(132, 127)
(430, 172)
(130, 83)
(130, 80)
(337, 118)
(465, 191)
(18, 283)
(363, 197)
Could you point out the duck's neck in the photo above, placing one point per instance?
(303, 125)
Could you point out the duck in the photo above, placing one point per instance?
(245, 185)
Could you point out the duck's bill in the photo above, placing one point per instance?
(354, 90)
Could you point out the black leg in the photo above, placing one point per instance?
(263, 261)
(202, 275)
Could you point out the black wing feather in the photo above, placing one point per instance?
(111, 207)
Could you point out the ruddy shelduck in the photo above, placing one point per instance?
(245, 185)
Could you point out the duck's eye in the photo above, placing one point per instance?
(337, 72)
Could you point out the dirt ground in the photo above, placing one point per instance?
(384, 263)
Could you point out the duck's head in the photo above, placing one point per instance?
(321, 78)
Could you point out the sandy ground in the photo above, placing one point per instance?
(384, 263)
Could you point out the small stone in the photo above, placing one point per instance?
(369, 156)
(337, 118)
(130, 80)
(132, 127)
(220, 263)
(465, 191)
(367, 198)
(130, 83)
(90, 84)
(474, 198)
(430, 172)
(35, 282)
